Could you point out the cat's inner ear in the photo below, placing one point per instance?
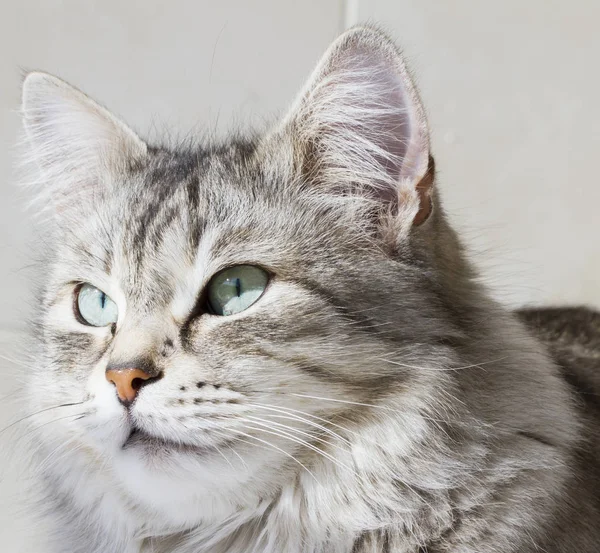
(359, 127)
(75, 143)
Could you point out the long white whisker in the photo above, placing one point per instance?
(446, 369)
(293, 429)
(273, 446)
(41, 466)
(239, 457)
(345, 429)
(297, 440)
(223, 455)
(39, 412)
(295, 416)
(77, 415)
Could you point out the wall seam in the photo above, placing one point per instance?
(350, 11)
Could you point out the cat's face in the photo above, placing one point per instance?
(252, 374)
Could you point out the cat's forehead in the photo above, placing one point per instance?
(172, 223)
(181, 193)
(179, 200)
(191, 211)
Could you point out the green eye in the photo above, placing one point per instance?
(235, 289)
(94, 307)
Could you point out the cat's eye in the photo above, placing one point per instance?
(235, 289)
(94, 307)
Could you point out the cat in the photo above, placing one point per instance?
(276, 344)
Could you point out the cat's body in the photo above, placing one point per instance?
(372, 399)
(572, 337)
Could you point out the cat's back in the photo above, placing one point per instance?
(572, 335)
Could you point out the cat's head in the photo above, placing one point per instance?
(215, 318)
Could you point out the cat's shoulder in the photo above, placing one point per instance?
(565, 326)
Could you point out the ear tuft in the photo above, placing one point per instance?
(73, 140)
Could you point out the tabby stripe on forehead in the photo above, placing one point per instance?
(149, 218)
(196, 223)
(156, 233)
(162, 183)
(108, 260)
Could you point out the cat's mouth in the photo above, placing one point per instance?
(139, 438)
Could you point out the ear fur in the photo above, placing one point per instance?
(74, 141)
(360, 128)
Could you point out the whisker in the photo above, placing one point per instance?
(300, 441)
(345, 429)
(446, 369)
(15, 361)
(239, 457)
(78, 415)
(297, 430)
(223, 455)
(41, 466)
(371, 405)
(38, 412)
(297, 417)
(346, 401)
(273, 446)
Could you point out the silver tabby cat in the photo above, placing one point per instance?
(276, 345)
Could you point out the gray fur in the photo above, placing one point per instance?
(375, 399)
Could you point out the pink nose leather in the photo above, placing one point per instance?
(127, 382)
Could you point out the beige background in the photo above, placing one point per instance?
(512, 89)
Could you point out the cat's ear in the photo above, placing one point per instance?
(76, 143)
(359, 127)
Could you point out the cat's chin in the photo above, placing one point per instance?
(182, 485)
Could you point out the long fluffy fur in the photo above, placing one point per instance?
(373, 400)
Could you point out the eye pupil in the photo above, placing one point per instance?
(103, 300)
(238, 287)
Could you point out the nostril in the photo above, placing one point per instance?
(138, 382)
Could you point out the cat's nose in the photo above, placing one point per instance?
(128, 382)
